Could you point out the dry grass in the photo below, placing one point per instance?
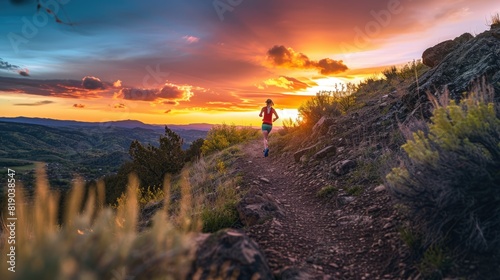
(495, 20)
(95, 242)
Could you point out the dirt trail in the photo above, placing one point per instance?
(315, 236)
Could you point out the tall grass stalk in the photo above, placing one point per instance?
(93, 242)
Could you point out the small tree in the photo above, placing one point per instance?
(194, 150)
(152, 163)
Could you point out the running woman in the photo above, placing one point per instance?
(267, 123)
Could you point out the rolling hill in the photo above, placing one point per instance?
(70, 148)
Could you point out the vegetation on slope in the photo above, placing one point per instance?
(449, 180)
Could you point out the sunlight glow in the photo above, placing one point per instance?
(287, 114)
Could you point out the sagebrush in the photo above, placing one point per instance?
(449, 178)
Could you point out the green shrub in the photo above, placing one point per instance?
(328, 103)
(220, 137)
(215, 219)
(411, 238)
(410, 71)
(434, 263)
(144, 197)
(327, 191)
(450, 178)
(355, 190)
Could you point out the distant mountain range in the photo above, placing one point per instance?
(71, 147)
(122, 124)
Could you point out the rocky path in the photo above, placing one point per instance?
(341, 238)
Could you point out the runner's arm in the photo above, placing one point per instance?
(276, 114)
(261, 112)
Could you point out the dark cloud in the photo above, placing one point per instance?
(169, 102)
(7, 66)
(78, 106)
(4, 65)
(54, 88)
(119, 106)
(24, 73)
(171, 92)
(20, 2)
(282, 56)
(286, 57)
(329, 66)
(90, 82)
(168, 91)
(140, 94)
(168, 111)
(39, 103)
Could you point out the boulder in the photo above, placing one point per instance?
(329, 150)
(321, 126)
(229, 254)
(297, 155)
(344, 167)
(257, 207)
(434, 55)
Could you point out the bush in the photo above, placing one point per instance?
(144, 197)
(215, 219)
(450, 178)
(222, 136)
(410, 71)
(327, 191)
(328, 103)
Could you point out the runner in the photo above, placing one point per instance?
(267, 123)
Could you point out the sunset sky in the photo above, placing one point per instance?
(210, 61)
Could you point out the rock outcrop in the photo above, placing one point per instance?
(468, 62)
(229, 254)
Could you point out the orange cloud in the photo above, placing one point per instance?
(282, 56)
(117, 84)
(285, 82)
